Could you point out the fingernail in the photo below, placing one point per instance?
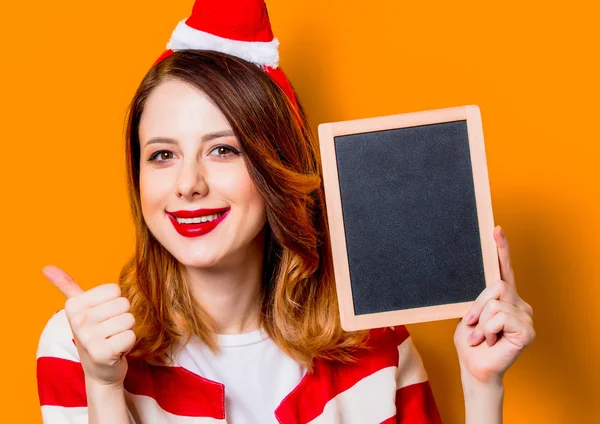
(48, 271)
(469, 318)
(501, 232)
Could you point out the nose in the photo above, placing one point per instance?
(191, 182)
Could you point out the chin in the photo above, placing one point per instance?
(188, 259)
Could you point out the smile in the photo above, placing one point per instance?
(197, 222)
(200, 219)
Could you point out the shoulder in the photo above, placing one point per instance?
(60, 377)
(384, 348)
(389, 340)
(387, 337)
(396, 345)
(414, 398)
(386, 380)
(56, 339)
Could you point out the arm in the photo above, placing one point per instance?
(489, 339)
(483, 402)
(66, 396)
(93, 334)
(414, 398)
(99, 396)
(60, 378)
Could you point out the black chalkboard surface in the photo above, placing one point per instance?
(410, 216)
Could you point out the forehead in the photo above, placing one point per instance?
(177, 109)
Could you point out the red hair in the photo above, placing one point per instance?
(299, 307)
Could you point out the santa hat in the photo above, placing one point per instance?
(237, 27)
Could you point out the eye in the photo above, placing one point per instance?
(160, 156)
(224, 151)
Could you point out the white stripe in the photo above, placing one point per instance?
(52, 414)
(56, 339)
(410, 365)
(265, 53)
(146, 411)
(149, 411)
(370, 401)
(62, 415)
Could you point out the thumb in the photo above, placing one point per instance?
(62, 281)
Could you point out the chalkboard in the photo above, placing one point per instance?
(410, 216)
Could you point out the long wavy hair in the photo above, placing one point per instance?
(299, 307)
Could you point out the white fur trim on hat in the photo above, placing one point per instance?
(258, 52)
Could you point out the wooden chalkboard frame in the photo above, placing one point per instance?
(327, 132)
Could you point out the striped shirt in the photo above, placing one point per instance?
(387, 384)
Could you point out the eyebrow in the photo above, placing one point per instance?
(204, 139)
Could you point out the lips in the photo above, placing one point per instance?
(197, 229)
(197, 213)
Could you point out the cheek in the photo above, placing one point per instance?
(240, 189)
(153, 189)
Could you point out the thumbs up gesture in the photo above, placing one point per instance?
(101, 324)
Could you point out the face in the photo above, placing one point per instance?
(196, 194)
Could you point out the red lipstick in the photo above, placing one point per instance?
(196, 229)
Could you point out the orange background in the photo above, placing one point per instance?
(69, 69)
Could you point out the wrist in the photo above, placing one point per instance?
(492, 388)
(106, 403)
(486, 383)
(96, 386)
(483, 399)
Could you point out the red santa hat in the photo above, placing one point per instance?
(237, 27)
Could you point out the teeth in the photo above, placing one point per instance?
(199, 220)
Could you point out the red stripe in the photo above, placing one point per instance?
(307, 401)
(415, 405)
(60, 382)
(176, 390)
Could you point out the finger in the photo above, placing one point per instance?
(492, 308)
(62, 281)
(122, 342)
(506, 271)
(516, 331)
(109, 351)
(116, 325)
(499, 290)
(527, 308)
(94, 297)
(109, 309)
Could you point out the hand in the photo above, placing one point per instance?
(101, 324)
(497, 328)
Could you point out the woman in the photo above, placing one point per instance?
(227, 312)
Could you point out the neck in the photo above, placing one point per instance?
(231, 293)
